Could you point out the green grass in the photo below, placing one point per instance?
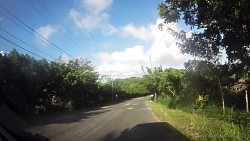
(197, 126)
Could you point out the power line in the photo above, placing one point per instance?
(66, 35)
(40, 13)
(66, 3)
(26, 43)
(29, 31)
(46, 9)
(52, 15)
(36, 32)
(90, 37)
(22, 47)
(163, 35)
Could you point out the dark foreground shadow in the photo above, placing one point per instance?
(10, 132)
(69, 118)
(159, 131)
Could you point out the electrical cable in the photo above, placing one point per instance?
(22, 47)
(36, 32)
(28, 31)
(66, 35)
(26, 43)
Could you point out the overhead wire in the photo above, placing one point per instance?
(66, 35)
(26, 43)
(21, 47)
(40, 13)
(163, 36)
(66, 3)
(27, 30)
(90, 37)
(36, 31)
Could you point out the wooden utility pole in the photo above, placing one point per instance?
(112, 89)
(246, 94)
(247, 106)
(152, 74)
(222, 97)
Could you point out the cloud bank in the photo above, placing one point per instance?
(127, 63)
(46, 32)
(93, 16)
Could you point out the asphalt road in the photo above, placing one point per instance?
(128, 121)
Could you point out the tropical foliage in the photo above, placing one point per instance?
(37, 86)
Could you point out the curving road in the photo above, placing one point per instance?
(128, 121)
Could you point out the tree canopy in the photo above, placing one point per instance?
(28, 85)
(224, 24)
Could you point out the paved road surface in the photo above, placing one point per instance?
(128, 121)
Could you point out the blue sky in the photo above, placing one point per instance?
(116, 35)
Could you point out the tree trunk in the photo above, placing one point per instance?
(222, 97)
(155, 98)
(247, 106)
(173, 93)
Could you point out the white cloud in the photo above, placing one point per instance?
(223, 58)
(94, 16)
(168, 56)
(128, 63)
(97, 6)
(3, 53)
(149, 33)
(134, 55)
(189, 34)
(163, 51)
(46, 32)
(142, 33)
(119, 70)
(64, 58)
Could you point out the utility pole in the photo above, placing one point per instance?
(152, 74)
(112, 85)
(246, 95)
(247, 106)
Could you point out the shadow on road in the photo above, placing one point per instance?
(70, 118)
(159, 131)
(77, 117)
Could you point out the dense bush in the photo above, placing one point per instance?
(165, 100)
(28, 85)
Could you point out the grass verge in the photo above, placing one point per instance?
(198, 127)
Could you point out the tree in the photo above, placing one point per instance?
(242, 84)
(154, 75)
(207, 78)
(29, 85)
(171, 82)
(81, 82)
(225, 25)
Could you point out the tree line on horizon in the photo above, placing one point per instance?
(221, 90)
(28, 85)
(216, 26)
(38, 86)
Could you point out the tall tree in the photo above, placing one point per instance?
(171, 82)
(209, 79)
(225, 25)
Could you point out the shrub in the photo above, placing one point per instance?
(69, 105)
(200, 103)
(40, 109)
(165, 100)
(237, 117)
